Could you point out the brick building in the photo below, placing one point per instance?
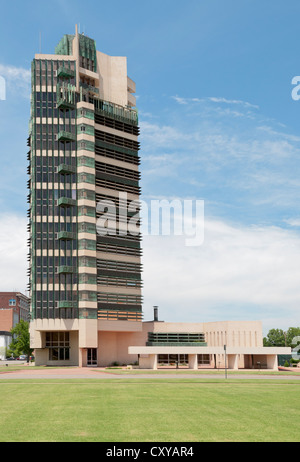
(14, 306)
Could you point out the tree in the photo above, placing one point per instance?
(21, 340)
(275, 337)
(278, 337)
(291, 334)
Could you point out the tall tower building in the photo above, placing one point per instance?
(85, 268)
(85, 241)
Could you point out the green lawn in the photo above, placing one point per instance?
(137, 410)
(217, 372)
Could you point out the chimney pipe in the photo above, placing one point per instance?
(155, 313)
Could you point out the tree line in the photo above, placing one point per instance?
(279, 337)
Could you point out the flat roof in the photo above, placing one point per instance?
(153, 350)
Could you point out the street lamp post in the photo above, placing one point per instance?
(225, 362)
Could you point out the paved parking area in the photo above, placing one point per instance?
(61, 373)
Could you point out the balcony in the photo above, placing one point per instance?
(65, 169)
(66, 269)
(90, 88)
(66, 202)
(176, 339)
(108, 109)
(64, 72)
(66, 236)
(66, 136)
(67, 304)
(64, 104)
(66, 96)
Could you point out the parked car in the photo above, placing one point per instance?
(22, 357)
(11, 358)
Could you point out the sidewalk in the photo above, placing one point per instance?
(102, 373)
(59, 373)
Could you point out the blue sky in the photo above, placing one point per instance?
(218, 123)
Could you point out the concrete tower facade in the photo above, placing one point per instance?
(85, 250)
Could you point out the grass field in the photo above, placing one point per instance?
(217, 372)
(138, 410)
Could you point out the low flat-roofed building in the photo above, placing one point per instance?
(155, 344)
(231, 344)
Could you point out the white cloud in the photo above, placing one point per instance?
(232, 101)
(243, 164)
(214, 99)
(278, 134)
(293, 222)
(241, 273)
(17, 79)
(156, 135)
(13, 253)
